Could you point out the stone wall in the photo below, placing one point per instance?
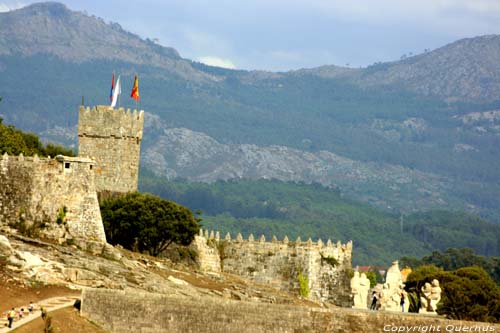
(33, 191)
(326, 266)
(112, 137)
(131, 311)
(208, 258)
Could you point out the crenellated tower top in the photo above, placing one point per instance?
(112, 137)
(105, 121)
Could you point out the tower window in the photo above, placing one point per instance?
(91, 167)
(66, 165)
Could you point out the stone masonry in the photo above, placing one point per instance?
(35, 191)
(112, 137)
(131, 311)
(57, 198)
(278, 263)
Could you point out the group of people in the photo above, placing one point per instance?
(389, 296)
(11, 314)
(376, 305)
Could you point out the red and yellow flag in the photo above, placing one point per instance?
(135, 89)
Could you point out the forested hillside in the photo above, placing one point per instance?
(302, 210)
(412, 135)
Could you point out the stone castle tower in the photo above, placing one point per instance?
(112, 138)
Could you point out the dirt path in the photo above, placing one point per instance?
(49, 304)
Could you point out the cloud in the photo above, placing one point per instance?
(200, 41)
(390, 11)
(8, 6)
(217, 62)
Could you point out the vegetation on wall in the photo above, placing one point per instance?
(303, 285)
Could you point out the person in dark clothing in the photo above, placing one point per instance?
(402, 303)
(374, 301)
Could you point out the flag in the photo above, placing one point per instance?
(116, 92)
(135, 89)
(112, 87)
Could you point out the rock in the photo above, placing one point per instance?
(94, 247)
(109, 252)
(128, 263)
(237, 295)
(177, 281)
(30, 259)
(13, 260)
(5, 247)
(86, 278)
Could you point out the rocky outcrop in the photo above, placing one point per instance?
(182, 153)
(35, 261)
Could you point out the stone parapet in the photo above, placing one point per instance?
(55, 196)
(326, 266)
(132, 311)
(105, 121)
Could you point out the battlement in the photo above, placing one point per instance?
(215, 235)
(57, 160)
(278, 263)
(112, 137)
(35, 190)
(105, 121)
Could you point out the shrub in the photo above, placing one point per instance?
(303, 285)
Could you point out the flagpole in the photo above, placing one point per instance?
(120, 97)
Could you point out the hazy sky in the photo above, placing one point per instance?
(291, 34)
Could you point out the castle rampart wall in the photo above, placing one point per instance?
(112, 137)
(278, 263)
(131, 311)
(34, 190)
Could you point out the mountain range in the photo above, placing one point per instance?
(414, 134)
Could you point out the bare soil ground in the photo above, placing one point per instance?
(14, 293)
(65, 320)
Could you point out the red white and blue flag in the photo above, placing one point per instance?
(116, 92)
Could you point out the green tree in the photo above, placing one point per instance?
(372, 276)
(14, 142)
(417, 279)
(468, 293)
(53, 150)
(453, 259)
(147, 223)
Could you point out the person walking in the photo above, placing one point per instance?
(10, 316)
(373, 306)
(402, 303)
